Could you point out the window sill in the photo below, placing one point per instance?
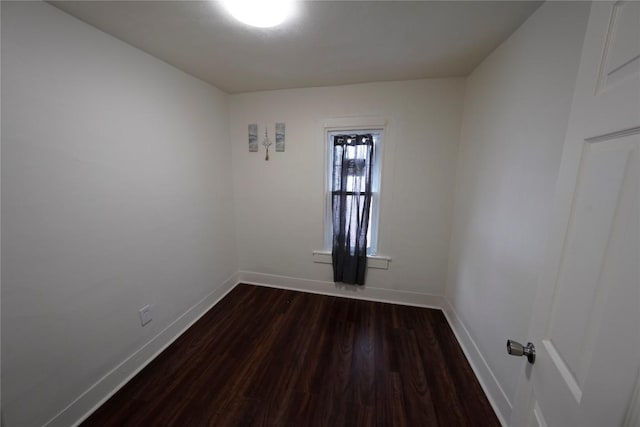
(373, 261)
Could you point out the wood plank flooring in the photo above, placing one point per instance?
(271, 357)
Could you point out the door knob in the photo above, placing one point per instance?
(514, 348)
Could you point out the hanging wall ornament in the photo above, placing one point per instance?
(267, 143)
(253, 138)
(279, 137)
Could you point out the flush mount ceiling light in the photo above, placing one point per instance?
(260, 13)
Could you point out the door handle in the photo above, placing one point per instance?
(514, 348)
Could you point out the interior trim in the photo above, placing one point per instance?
(91, 399)
(341, 290)
(373, 261)
(614, 135)
(364, 122)
(498, 399)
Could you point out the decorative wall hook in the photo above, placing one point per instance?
(267, 143)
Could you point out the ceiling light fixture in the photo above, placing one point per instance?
(260, 13)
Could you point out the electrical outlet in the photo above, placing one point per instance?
(145, 315)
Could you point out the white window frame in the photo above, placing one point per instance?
(376, 127)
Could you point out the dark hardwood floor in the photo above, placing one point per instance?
(273, 357)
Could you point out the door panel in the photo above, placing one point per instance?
(591, 349)
(586, 323)
(579, 284)
(621, 57)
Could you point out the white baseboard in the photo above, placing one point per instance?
(107, 386)
(488, 381)
(348, 291)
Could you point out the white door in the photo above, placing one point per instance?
(586, 322)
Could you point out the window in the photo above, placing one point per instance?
(357, 157)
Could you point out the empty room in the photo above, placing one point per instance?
(320, 213)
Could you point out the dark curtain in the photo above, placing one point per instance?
(351, 202)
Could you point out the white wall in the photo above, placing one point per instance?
(280, 203)
(116, 193)
(119, 187)
(515, 114)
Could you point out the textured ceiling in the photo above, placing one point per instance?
(326, 43)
